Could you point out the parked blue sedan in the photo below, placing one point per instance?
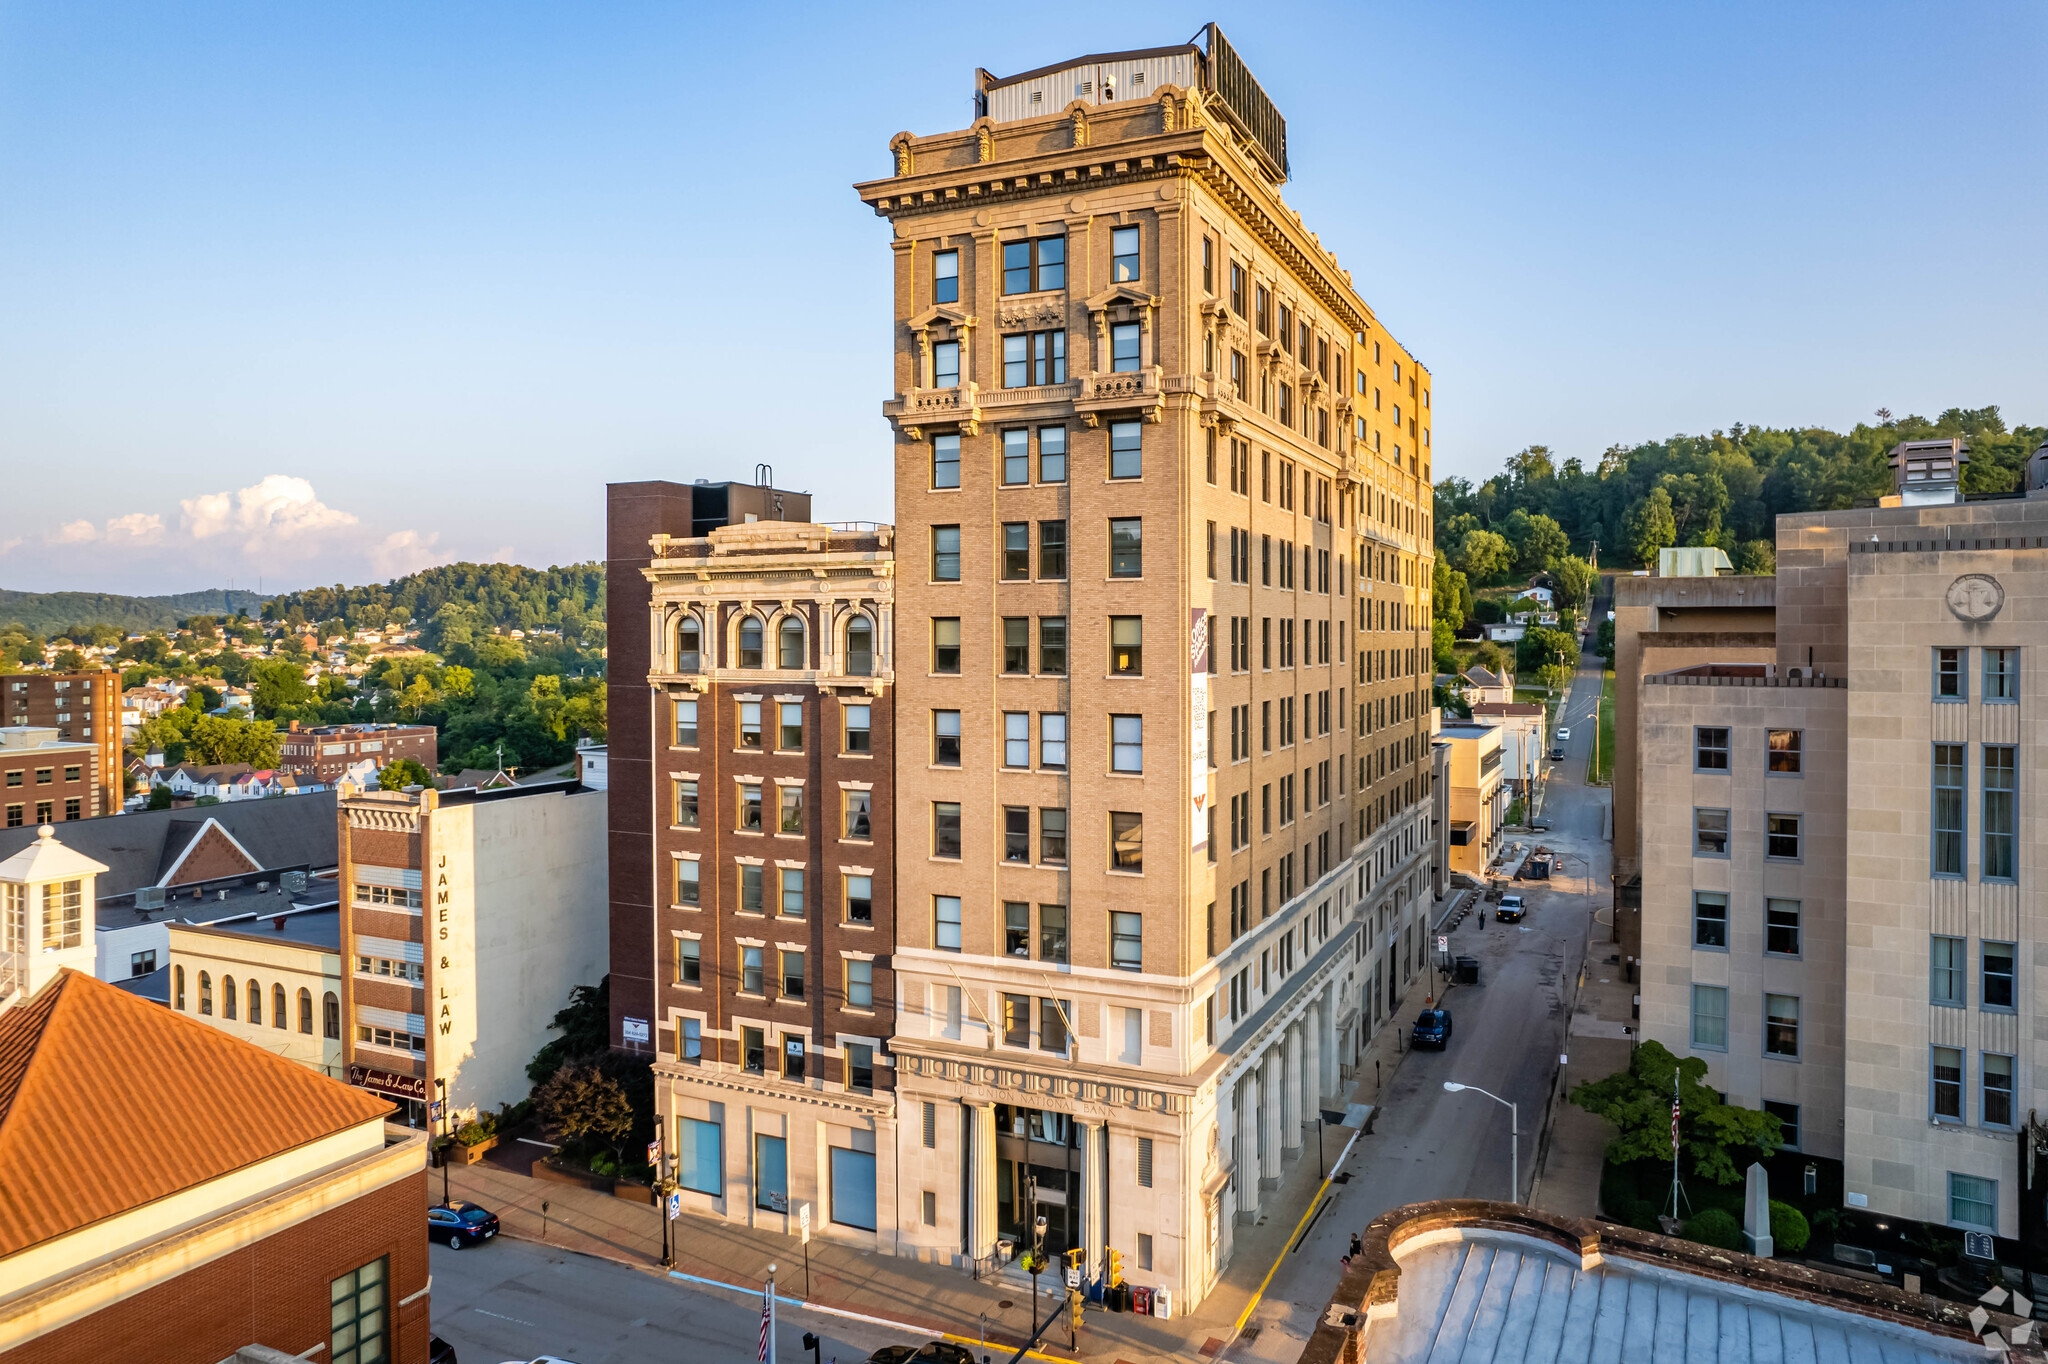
(1432, 1029)
(460, 1224)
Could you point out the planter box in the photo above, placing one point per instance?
(633, 1192)
(470, 1155)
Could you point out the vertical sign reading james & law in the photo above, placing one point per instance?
(1198, 726)
(451, 899)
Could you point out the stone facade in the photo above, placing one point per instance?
(1162, 486)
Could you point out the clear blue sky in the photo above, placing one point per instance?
(324, 292)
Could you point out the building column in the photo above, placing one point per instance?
(1333, 1052)
(1312, 1061)
(1290, 1090)
(1269, 1118)
(1092, 1159)
(1247, 1175)
(981, 1180)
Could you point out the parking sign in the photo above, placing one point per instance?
(675, 1205)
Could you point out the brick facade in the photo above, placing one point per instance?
(83, 708)
(327, 751)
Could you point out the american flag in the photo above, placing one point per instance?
(767, 1306)
(1674, 1125)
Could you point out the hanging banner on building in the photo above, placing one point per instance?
(1198, 726)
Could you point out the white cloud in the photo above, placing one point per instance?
(75, 533)
(9, 546)
(407, 551)
(279, 508)
(140, 527)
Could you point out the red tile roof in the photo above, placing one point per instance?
(109, 1101)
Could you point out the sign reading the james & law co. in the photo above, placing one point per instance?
(386, 1083)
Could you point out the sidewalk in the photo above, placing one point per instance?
(1599, 1041)
(931, 1299)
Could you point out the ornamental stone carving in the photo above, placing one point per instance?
(1975, 597)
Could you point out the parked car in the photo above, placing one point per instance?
(440, 1351)
(460, 1224)
(1510, 910)
(931, 1352)
(1432, 1029)
(542, 1359)
(1564, 736)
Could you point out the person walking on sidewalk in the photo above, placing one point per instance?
(1356, 1246)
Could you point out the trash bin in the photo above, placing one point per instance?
(1467, 972)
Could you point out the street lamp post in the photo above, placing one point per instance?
(1514, 1136)
(447, 1139)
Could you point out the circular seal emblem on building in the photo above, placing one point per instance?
(1975, 597)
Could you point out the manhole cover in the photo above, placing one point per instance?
(1006, 1304)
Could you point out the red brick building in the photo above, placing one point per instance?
(326, 752)
(83, 707)
(45, 779)
(232, 1197)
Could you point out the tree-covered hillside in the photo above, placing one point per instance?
(505, 596)
(1721, 489)
(57, 613)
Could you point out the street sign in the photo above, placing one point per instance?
(804, 1222)
(1073, 1276)
(1443, 943)
(675, 1205)
(1979, 1245)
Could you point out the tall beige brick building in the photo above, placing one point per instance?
(1163, 808)
(1839, 848)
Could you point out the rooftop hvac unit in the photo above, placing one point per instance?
(294, 880)
(149, 897)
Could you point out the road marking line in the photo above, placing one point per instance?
(1252, 1306)
(862, 1316)
(501, 1316)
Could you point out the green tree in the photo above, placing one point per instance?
(586, 1105)
(68, 661)
(1711, 1133)
(585, 1028)
(418, 695)
(1448, 590)
(1443, 647)
(1541, 647)
(1483, 556)
(212, 739)
(160, 798)
(1651, 526)
(1571, 578)
(278, 687)
(401, 773)
(1759, 557)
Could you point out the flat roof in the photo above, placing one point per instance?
(316, 927)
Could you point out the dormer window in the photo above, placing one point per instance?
(1029, 266)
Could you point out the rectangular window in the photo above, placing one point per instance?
(945, 644)
(700, 1159)
(1781, 1025)
(1126, 547)
(1016, 1020)
(1783, 750)
(753, 979)
(1029, 266)
(750, 807)
(1126, 646)
(1123, 255)
(1126, 941)
(689, 961)
(792, 892)
(793, 976)
(1208, 265)
(1052, 1026)
(792, 812)
(945, 828)
(860, 899)
(2001, 674)
(2001, 789)
(1709, 919)
(860, 1057)
(1781, 836)
(946, 277)
(1995, 1109)
(1017, 928)
(1973, 1202)
(359, 1315)
(686, 804)
(1016, 560)
(1949, 763)
(790, 731)
(1948, 675)
(945, 738)
(1052, 836)
(1781, 928)
(686, 724)
(945, 554)
(1052, 740)
(1788, 1121)
(859, 738)
(1237, 288)
(946, 364)
(690, 1042)
(689, 884)
(1710, 833)
(946, 923)
(1031, 358)
(1126, 841)
(946, 461)
(793, 1054)
(1710, 748)
(1945, 969)
(860, 984)
(1127, 743)
(857, 814)
(1016, 833)
(1052, 931)
(750, 725)
(1710, 1017)
(1946, 1080)
(1016, 645)
(1052, 454)
(1123, 348)
(1999, 974)
(750, 889)
(1052, 549)
(853, 1188)
(1017, 456)
(1126, 456)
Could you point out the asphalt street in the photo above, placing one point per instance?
(1508, 1033)
(513, 1300)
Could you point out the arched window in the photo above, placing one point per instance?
(860, 647)
(306, 1012)
(178, 988)
(750, 642)
(255, 1005)
(205, 993)
(277, 1012)
(790, 644)
(330, 1017)
(229, 1000)
(690, 646)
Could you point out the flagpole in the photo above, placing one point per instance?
(771, 1356)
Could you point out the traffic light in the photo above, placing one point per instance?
(1116, 1269)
